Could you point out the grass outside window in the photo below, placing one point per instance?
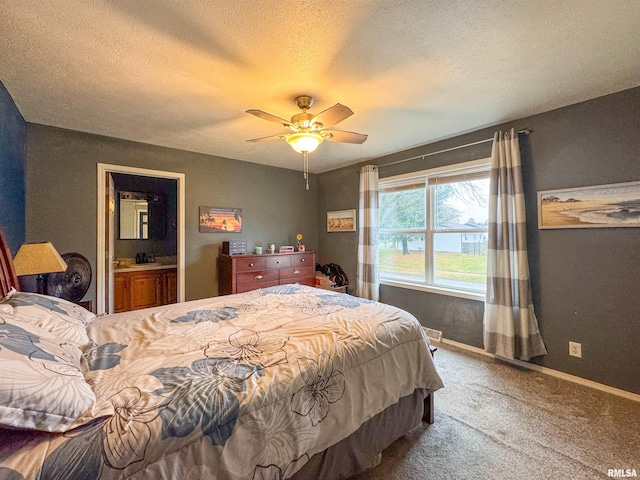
(448, 266)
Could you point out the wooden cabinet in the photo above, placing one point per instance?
(144, 289)
(242, 273)
(170, 288)
(120, 293)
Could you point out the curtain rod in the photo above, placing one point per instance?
(525, 131)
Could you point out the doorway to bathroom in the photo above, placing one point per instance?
(140, 211)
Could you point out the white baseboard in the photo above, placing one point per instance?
(549, 371)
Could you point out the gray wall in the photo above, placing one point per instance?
(12, 146)
(585, 281)
(61, 198)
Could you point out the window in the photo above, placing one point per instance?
(433, 228)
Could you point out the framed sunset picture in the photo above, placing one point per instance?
(613, 205)
(220, 220)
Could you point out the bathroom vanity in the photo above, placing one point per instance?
(143, 286)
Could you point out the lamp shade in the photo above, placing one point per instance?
(304, 142)
(37, 258)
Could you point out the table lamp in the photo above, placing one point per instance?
(38, 259)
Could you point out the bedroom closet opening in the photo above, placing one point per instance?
(140, 239)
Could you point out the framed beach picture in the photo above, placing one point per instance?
(341, 221)
(613, 205)
(215, 219)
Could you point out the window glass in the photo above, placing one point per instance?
(402, 208)
(433, 228)
(461, 205)
(460, 260)
(402, 256)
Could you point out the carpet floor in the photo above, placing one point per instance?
(497, 421)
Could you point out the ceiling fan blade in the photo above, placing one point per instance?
(266, 139)
(269, 117)
(333, 115)
(344, 137)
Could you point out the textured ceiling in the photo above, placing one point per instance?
(181, 73)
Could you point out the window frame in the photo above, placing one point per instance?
(475, 167)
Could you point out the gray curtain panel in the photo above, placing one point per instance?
(368, 283)
(510, 324)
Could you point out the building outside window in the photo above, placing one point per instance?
(433, 229)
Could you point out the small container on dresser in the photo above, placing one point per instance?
(238, 274)
(238, 247)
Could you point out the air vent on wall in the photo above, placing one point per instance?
(435, 335)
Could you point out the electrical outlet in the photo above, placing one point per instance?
(575, 349)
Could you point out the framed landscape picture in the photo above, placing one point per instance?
(613, 205)
(215, 219)
(341, 221)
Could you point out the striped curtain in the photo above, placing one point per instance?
(510, 324)
(368, 283)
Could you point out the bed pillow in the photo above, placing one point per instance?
(42, 385)
(60, 317)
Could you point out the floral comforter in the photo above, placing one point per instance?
(247, 386)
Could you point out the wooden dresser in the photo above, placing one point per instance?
(242, 273)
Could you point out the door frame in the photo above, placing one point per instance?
(103, 169)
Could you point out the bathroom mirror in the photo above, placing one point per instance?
(141, 216)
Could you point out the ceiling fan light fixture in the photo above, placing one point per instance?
(310, 130)
(304, 141)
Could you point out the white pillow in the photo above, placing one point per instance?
(58, 316)
(42, 384)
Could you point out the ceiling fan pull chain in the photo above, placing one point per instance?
(305, 157)
(305, 163)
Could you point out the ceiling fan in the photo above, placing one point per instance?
(309, 130)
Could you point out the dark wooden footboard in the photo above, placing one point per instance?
(427, 416)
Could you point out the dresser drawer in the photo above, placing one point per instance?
(250, 264)
(279, 261)
(253, 286)
(303, 260)
(294, 274)
(258, 277)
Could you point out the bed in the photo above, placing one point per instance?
(281, 382)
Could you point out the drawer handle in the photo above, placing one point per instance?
(278, 261)
(302, 259)
(296, 272)
(251, 264)
(259, 277)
